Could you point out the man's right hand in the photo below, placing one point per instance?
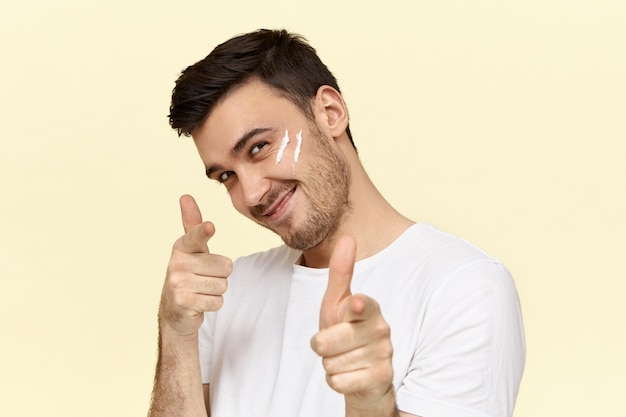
(196, 278)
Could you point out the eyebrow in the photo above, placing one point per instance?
(239, 147)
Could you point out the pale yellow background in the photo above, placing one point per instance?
(502, 122)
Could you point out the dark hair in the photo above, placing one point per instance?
(282, 60)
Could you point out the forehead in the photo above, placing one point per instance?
(250, 106)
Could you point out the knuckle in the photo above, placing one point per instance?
(340, 363)
(180, 299)
(384, 374)
(345, 384)
(382, 330)
(177, 282)
(332, 365)
(223, 266)
(388, 349)
(333, 381)
(221, 285)
(318, 345)
(388, 373)
(220, 266)
(375, 304)
(215, 286)
(177, 262)
(327, 363)
(179, 243)
(228, 266)
(214, 303)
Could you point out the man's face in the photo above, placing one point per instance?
(279, 168)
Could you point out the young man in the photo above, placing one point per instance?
(407, 320)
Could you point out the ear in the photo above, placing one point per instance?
(331, 111)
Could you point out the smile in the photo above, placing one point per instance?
(280, 206)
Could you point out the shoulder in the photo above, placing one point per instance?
(463, 277)
(434, 244)
(431, 260)
(448, 255)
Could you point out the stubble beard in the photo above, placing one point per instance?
(327, 196)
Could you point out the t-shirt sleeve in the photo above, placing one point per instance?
(470, 352)
(205, 344)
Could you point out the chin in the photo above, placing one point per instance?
(304, 239)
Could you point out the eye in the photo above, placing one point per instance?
(224, 176)
(257, 148)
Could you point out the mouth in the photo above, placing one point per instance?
(279, 207)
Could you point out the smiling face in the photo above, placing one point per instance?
(279, 167)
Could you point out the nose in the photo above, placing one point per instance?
(253, 187)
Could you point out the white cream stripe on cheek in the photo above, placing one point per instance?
(296, 153)
(283, 145)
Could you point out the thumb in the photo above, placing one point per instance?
(190, 212)
(340, 271)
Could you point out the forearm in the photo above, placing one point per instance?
(178, 385)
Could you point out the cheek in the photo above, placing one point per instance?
(296, 152)
(290, 148)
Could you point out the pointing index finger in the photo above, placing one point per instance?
(190, 212)
(340, 271)
(197, 232)
(340, 268)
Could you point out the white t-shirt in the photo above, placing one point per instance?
(454, 314)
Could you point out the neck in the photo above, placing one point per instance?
(372, 221)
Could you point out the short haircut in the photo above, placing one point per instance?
(282, 60)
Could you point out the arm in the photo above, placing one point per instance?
(194, 284)
(178, 389)
(470, 353)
